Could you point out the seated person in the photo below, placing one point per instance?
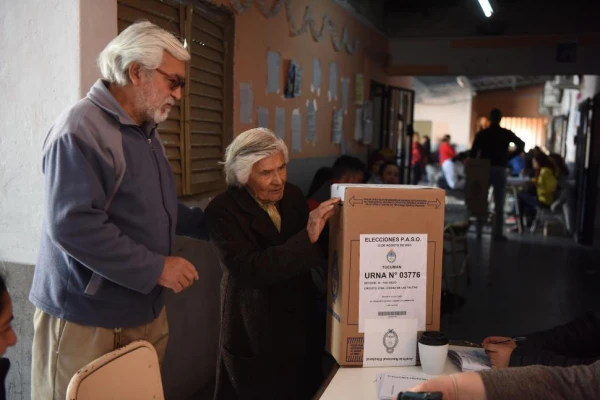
(390, 173)
(574, 343)
(517, 165)
(375, 162)
(454, 171)
(446, 150)
(528, 170)
(545, 187)
(322, 175)
(346, 169)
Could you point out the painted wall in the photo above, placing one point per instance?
(97, 27)
(524, 55)
(256, 34)
(452, 117)
(39, 70)
(47, 64)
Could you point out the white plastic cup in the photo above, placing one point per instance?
(433, 351)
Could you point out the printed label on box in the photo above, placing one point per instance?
(393, 277)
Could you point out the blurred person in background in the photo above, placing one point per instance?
(390, 173)
(545, 184)
(446, 150)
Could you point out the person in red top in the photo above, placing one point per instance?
(346, 169)
(446, 150)
(419, 159)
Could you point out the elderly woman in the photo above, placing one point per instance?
(266, 242)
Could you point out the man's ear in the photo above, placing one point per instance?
(135, 73)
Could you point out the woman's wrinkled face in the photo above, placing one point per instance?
(267, 179)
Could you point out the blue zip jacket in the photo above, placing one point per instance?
(110, 216)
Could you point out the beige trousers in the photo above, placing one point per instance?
(60, 348)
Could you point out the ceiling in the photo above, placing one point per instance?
(446, 18)
(481, 83)
(443, 18)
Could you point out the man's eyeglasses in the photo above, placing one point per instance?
(174, 81)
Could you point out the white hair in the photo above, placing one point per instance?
(142, 42)
(248, 148)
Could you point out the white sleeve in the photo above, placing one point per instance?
(449, 173)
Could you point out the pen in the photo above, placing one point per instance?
(514, 339)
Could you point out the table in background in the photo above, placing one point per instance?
(513, 183)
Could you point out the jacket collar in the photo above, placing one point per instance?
(103, 98)
(261, 223)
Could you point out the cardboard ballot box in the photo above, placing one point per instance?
(385, 261)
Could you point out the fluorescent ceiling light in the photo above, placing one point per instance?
(486, 7)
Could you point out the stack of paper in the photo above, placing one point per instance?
(390, 384)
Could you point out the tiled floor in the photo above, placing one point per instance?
(523, 285)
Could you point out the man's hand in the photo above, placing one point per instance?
(178, 274)
(318, 218)
(499, 354)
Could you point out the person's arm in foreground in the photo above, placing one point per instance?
(534, 382)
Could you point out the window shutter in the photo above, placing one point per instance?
(208, 101)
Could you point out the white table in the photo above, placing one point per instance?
(517, 180)
(360, 383)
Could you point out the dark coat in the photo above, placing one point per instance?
(267, 298)
(574, 343)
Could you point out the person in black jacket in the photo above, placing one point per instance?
(575, 343)
(8, 337)
(493, 144)
(266, 241)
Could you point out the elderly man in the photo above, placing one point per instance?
(111, 214)
(266, 241)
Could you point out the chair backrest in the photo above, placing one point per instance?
(563, 191)
(131, 372)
